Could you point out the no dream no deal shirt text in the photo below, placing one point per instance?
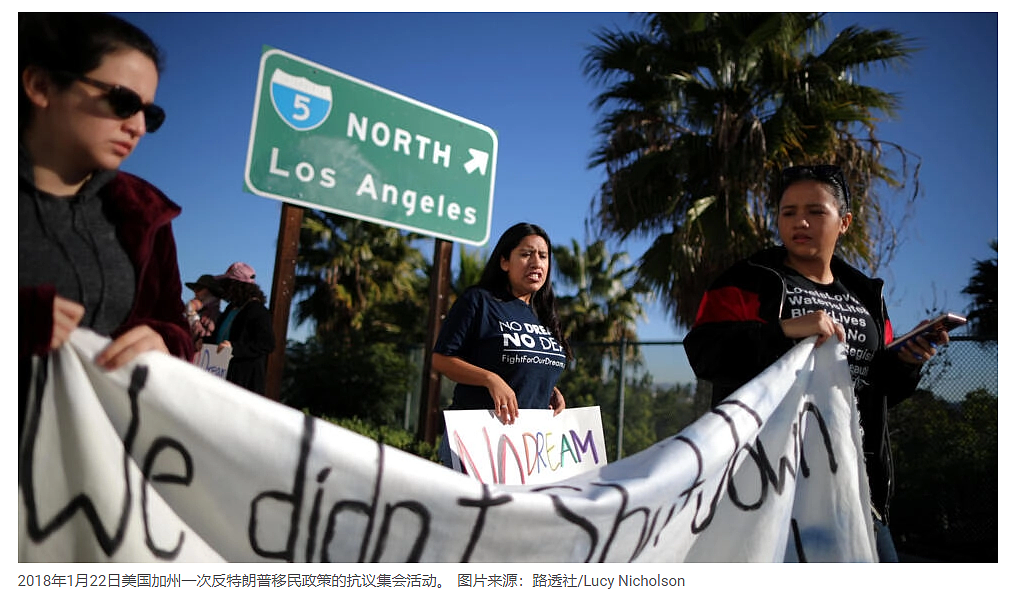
(503, 336)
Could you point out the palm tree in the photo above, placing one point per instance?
(352, 274)
(363, 286)
(701, 111)
(604, 307)
(982, 288)
(471, 265)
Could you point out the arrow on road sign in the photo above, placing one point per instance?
(478, 161)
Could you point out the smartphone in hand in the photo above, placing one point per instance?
(946, 322)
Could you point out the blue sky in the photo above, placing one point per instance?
(521, 75)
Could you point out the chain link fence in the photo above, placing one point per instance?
(944, 438)
(945, 448)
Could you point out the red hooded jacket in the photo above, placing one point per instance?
(142, 215)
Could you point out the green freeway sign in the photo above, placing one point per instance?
(325, 140)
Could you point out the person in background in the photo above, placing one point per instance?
(246, 327)
(476, 348)
(746, 320)
(203, 308)
(95, 245)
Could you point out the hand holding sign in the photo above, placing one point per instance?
(557, 401)
(506, 407)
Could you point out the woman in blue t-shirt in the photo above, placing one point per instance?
(501, 341)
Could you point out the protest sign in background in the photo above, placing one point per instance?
(538, 448)
(209, 359)
(159, 461)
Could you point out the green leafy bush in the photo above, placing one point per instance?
(394, 437)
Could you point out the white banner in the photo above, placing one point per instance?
(538, 448)
(159, 461)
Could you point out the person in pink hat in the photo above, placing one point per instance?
(245, 326)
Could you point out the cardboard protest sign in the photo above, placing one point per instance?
(209, 359)
(538, 448)
(159, 461)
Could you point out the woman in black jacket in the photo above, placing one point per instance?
(762, 306)
(246, 327)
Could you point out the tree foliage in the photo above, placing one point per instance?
(651, 412)
(352, 273)
(700, 111)
(471, 265)
(983, 315)
(391, 436)
(605, 303)
(945, 468)
(362, 286)
(344, 378)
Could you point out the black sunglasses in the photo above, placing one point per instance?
(827, 173)
(126, 103)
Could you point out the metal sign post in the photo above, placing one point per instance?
(438, 305)
(283, 290)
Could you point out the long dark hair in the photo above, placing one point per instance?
(68, 44)
(496, 280)
(239, 292)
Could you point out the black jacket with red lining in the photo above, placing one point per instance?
(738, 333)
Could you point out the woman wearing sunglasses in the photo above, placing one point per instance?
(95, 245)
(762, 306)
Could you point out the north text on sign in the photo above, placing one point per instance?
(381, 136)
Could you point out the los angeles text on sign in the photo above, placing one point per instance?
(325, 140)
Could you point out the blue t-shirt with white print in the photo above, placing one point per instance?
(502, 335)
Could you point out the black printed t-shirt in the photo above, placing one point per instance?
(503, 336)
(862, 338)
